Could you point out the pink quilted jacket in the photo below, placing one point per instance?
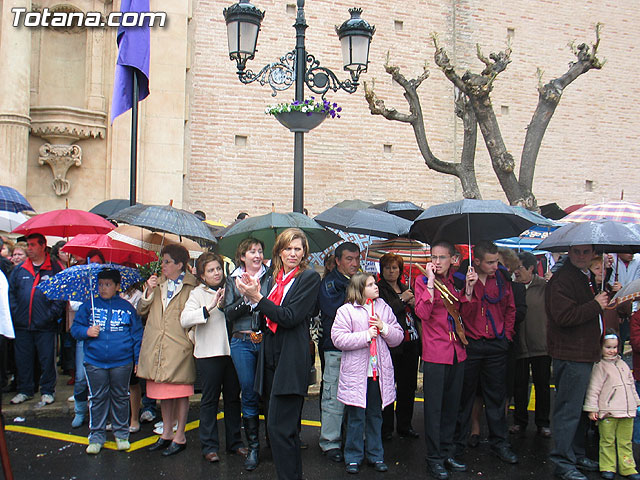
(349, 334)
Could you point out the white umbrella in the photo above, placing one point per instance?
(11, 220)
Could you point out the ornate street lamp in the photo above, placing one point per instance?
(297, 67)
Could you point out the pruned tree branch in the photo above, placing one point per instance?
(464, 170)
(473, 106)
(549, 96)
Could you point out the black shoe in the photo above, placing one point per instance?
(587, 464)
(379, 466)
(572, 475)
(160, 444)
(174, 448)
(608, 475)
(409, 433)
(387, 436)
(505, 454)
(353, 468)
(335, 455)
(633, 476)
(437, 471)
(474, 440)
(454, 466)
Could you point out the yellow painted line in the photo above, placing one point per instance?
(145, 442)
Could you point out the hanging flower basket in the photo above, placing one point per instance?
(300, 121)
(305, 115)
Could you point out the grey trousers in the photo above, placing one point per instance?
(332, 409)
(108, 397)
(569, 422)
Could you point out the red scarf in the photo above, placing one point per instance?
(277, 295)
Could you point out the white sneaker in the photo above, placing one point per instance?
(71, 399)
(122, 444)
(45, 399)
(93, 448)
(159, 428)
(20, 398)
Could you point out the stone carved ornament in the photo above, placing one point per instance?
(60, 158)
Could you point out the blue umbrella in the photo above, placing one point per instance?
(12, 200)
(78, 282)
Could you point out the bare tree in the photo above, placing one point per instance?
(473, 106)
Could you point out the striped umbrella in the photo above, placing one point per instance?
(625, 212)
(410, 250)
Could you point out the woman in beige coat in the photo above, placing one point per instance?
(166, 354)
(203, 315)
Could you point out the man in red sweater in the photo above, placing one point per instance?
(489, 329)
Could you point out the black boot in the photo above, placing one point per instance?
(251, 431)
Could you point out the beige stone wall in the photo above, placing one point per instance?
(70, 73)
(591, 137)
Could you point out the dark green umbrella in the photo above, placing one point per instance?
(110, 207)
(268, 227)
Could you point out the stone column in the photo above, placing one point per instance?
(15, 71)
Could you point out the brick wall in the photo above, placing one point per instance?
(592, 136)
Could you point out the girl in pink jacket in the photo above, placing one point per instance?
(364, 329)
(612, 400)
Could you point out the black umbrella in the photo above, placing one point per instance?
(470, 221)
(110, 207)
(165, 218)
(367, 221)
(406, 210)
(355, 204)
(552, 211)
(605, 235)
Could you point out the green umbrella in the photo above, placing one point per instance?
(268, 227)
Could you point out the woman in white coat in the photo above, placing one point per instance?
(203, 315)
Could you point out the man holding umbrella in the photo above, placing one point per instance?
(35, 320)
(489, 329)
(573, 336)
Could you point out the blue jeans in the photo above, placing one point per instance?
(364, 428)
(80, 390)
(244, 354)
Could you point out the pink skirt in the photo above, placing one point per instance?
(167, 391)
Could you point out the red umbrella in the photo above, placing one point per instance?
(113, 251)
(65, 223)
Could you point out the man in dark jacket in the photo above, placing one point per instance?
(573, 337)
(333, 291)
(35, 320)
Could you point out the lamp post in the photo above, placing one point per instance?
(297, 67)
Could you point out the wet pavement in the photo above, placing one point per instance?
(47, 447)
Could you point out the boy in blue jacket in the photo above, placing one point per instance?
(112, 333)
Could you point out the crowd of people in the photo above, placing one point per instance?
(481, 329)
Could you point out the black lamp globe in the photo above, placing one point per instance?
(355, 37)
(243, 24)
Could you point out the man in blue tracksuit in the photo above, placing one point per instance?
(112, 332)
(35, 320)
